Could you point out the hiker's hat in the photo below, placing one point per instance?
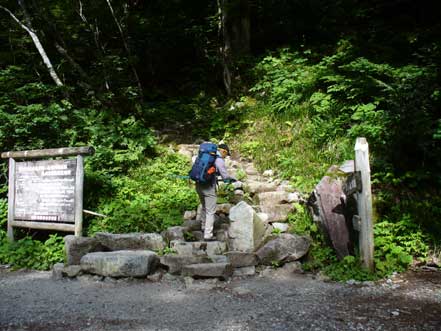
(225, 147)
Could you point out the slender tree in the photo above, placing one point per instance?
(32, 33)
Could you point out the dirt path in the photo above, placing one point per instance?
(33, 301)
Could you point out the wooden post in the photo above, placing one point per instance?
(79, 181)
(364, 204)
(11, 198)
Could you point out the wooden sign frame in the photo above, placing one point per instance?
(77, 226)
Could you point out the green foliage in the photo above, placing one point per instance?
(3, 217)
(301, 222)
(344, 96)
(165, 251)
(33, 254)
(148, 199)
(397, 244)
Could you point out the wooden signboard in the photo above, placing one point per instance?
(45, 191)
(46, 194)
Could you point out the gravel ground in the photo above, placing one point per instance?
(31, 300)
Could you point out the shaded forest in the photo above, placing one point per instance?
(129, 77)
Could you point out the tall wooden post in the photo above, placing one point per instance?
(79, 180)
(364, 204)
(11, 198)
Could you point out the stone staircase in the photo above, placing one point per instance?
(244, 231)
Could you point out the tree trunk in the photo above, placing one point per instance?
(234, 33)
(37, 43)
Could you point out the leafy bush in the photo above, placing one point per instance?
(149, 199)
(33, 254)
(397, 244)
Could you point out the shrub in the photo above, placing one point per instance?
(149, 199)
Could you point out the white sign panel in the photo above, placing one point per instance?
(45, 191)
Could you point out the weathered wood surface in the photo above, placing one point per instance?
(40, 153)
(364, 204)
(46, 191)
(44, 226)
(11, 199)
(79, 181)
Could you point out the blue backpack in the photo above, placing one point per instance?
(203, 169)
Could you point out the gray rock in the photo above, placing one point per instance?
(264, 217)
(250, 170)
(198, 248)
(156, 276)
(174, 233)
(245, 271)
(268, 173)
(76, 247)
(219, 259)
(57, 271)
(196, 235)
(221, 235)
(71, 271)
(175, 263)
(277, 213)
(192, 225)
(241, 259)
(259, 187)
(131, 241)
(211, 270)
(285, 248)
(120, 263)
(247, 231)
(282, 227)
(189, 214)
(294, 197)
(272, 198)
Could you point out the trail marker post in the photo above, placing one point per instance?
(364, 204)
(46, 194)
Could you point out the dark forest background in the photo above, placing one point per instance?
(130, 77)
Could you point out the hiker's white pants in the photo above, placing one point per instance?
(207, 195)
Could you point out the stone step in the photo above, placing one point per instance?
(208, 270)
(130, 241)
(174, 263)
(198, 248)
(120, 263)
(278, 212)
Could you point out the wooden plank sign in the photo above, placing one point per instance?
(46, 194)
(45, 191)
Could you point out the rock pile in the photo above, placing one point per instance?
(245, 237)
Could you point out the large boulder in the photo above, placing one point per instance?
(76, 247)
(120, 263)
(284, 248)
(327, 205)
(131, 241)
(247, 231)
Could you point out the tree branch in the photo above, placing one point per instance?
(38, 45)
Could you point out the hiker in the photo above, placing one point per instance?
(207, 190)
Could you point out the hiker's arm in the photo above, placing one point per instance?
(222, 170)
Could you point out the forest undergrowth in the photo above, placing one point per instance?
(301, 115)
